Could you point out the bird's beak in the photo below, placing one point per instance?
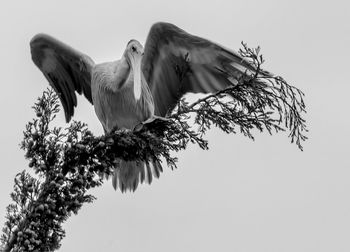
(136, 65)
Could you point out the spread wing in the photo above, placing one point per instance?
(67, 70)
(176, 62)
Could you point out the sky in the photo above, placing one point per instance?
(241, 195)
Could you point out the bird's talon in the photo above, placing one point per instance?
(139, 127)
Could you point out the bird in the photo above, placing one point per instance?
(145, 83)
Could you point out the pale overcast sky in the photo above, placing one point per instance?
(240, 195)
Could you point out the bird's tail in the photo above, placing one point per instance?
(128, 174)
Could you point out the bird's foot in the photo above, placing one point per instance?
(156, 118)
(153, 121)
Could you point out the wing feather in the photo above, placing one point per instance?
(176, 62)
(67, 70)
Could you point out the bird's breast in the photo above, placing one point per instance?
(117, 108)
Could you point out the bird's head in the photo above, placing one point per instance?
(133, 54)
(134, 51)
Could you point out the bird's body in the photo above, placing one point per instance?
(116, 107)
(145, 82)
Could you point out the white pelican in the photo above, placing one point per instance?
(143, 83)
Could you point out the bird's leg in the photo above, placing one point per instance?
(154, 117)
(150, 120)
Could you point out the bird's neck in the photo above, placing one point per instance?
(120, 74)
(126, 73)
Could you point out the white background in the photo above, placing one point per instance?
(240, 195)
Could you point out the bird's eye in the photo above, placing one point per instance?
(133, 48)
